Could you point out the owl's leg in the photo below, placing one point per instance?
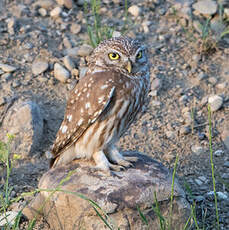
(103, 164)
(114, 156)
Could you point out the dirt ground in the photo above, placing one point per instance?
(174, 123)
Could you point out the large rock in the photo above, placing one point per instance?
(24, 120)
(118, 196)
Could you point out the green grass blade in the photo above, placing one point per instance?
(212, 165)
(143, 217)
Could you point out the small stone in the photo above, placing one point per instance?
(202, 76)
(75, 28)
(67, 43)
(8, 218)
(222, 195)
(46, 4)
(11, 24)
(219, 153)
(202, 178)
(39, 67)
(205, 7)
(156, 84)
(201, 136)
(170, 134)
(60, 73)
(225, 176)
(198, 182)
(185, 130)
(199, 198)
(212, 80)
(68, 4)
(16, 83)
(69, 64)
(116, 34)
(85, 50)
(226, 164)
(215, 102)
(225, 137)
(155, 103)
(55, 13)
(134, 10)
(197, 149)
(42, 12)
(183, 98)
(222, 85)
(7, 68)
(2, 101)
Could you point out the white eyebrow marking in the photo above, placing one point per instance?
(64, 129)
(87, 105)
(80, 122)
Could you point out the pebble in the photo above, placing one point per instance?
(156, 84)
(222, 85)
(67, 3)
(184, 130)
(197, 149)
(69, 64)
(16, 83)
(215, 102)
(46, 4)
(85, 50)
(219, 153)
(202, 76)
(226, 164)
(134, 10)
(198, 182)
(39, 67)
(7, 68)
(205, 7)
(170, 134)
(225, 137)
(55, 13)
(60, 73)
(2, 101)
(8, 218)
(42, 12)
(75, 28)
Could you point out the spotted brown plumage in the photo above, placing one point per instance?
(103, 105)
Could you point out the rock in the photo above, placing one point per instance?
(7, 68)
(8, 219)
(11, 24)
(116, 34)
(46, 4)
(156, 84)
(55, 13)
(205, 7)
(75, 28)
(2, 101)
(170, 134)
(134, 10)
(219, 153)
(215, 102)
(118, 196)
(198, 182)
(67, 3)
(69, 64)
(85, 50)
(39, 67)
(197, 149)
(24, 120)
(184, 130)
(225, 137)
(60, 73)
(42, 12)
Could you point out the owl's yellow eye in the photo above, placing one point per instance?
(113, 56)
(139, 55)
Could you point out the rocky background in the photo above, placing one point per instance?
(43, 50)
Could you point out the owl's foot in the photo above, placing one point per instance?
(103, 164)
(115, 157)
(131, 159)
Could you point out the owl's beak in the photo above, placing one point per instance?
(129, 66)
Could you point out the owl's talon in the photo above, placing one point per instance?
(131, 159)
(117, 168)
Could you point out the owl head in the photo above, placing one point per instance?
(121, 54)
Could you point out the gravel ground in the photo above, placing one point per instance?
(35, 35)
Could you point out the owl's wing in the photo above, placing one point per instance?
(90, 99)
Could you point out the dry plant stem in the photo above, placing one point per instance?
(212, 164)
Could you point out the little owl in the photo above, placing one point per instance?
(103, 105)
